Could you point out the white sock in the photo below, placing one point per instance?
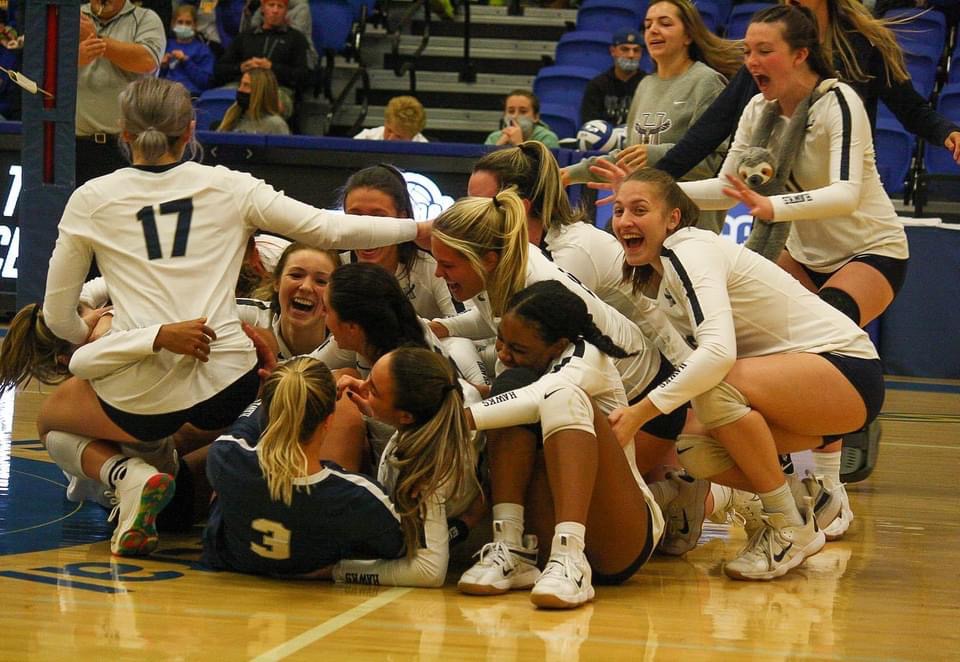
(781, 500)
(113, 470)
(722, 498)
(664, 492)
(575, 533)
(508, 523)
(827, 467)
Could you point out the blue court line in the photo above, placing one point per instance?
(60, 581)
(929, 388)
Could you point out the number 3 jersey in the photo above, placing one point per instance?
(169, 241)
(334, 515)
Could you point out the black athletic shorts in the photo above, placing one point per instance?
(214, 413)
(894, 270)
(601, 579)
(866, 375)
(664, 426)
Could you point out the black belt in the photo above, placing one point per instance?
(99, 138)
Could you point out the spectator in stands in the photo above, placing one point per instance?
(188, 60)
(403, 119)
(119, 42)
(521, 121)
(274, 45)
(298, 18)
(608, 96)
(258, 106)
(11, 49)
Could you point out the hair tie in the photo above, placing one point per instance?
(35, 315)
(496, 202)
(448, 387)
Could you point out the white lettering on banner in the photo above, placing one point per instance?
(10, 206)
(10, 236)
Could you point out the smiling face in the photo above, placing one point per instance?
(642, 222)
(301, 286)
(381, 394)
(771, 61)
(520, 345)
(367, 201)
(457, 271)
(664, 32)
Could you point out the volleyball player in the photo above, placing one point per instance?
(584, 491)
(294, 314)
(169, 237)
(482, 251)
(429, 466)
(278, 508)
(846, 243)
(775, 369)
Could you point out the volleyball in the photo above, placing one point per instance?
(599, 136)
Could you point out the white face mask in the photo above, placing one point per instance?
(183, 32)
(627, 64)
(525, 124)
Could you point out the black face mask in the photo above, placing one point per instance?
(243, 100)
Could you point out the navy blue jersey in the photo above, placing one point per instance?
(344, 515)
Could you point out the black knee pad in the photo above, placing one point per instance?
(842, 301)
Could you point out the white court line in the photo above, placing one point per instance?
(939, 447)
(332, 625)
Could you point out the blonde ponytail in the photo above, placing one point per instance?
(476, 226)
(299, 396)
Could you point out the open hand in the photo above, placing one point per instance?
(632, 158)
(758, 205)
(612, 174)
(266, 350)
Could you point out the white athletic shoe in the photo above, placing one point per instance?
(839, 526)
(142, 493)
(565, 582)
(684, 515)
(777, 548)
(826, 502)
(86, 489)
(502, 568)
(745, 509)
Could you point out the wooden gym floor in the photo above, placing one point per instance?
(889, 591)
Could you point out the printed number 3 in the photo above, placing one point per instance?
(276, 539)
(183, 208)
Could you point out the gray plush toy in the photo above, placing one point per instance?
(766, 172)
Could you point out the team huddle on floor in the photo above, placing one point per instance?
(348, 396)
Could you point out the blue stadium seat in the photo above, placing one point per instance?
(332, 22)
(894, 148)
(610, 15)
(919, 31)
(922, 68)
(740, 18)
(562, 85)
(212, 105)
(937, 160)
(563, 119)
(712, 13)
(585, 48)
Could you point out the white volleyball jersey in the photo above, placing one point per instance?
(170, 240)
(257, 313)
(637, 371)
(731, 303)
(837, 203)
